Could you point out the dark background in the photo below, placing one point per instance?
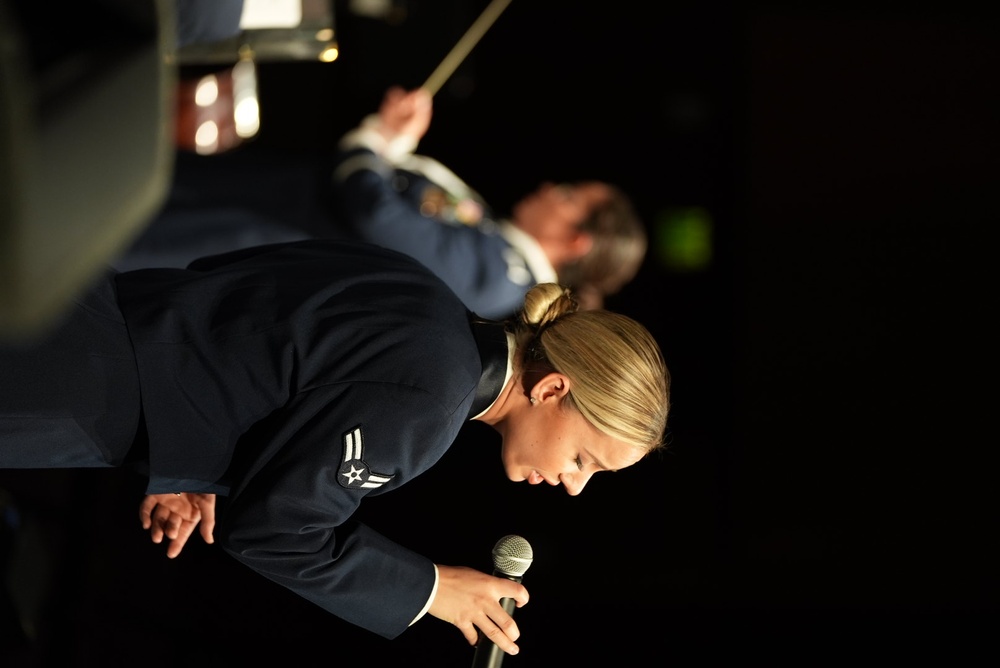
(827, 496)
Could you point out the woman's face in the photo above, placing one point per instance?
(547, 442)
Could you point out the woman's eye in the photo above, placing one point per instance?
(579, 462)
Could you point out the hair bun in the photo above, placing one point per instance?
(545, 303)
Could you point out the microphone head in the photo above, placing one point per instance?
(512, 556)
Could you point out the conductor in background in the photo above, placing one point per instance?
(584, 235)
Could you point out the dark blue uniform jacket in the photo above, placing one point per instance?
(297, 379)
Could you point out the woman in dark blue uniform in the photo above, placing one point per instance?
(296, 379)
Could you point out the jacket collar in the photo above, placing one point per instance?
(495, 351)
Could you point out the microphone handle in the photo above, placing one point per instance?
(488, 654)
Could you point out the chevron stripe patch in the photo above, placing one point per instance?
(354, 472)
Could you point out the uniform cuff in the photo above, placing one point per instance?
(430, 599)
(368, 135)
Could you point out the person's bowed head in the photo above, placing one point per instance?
(589, 393)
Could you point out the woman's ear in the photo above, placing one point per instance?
(551, 386)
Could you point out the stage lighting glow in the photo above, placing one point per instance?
(246, 105)
(683, 238)
(247, 117)
(206, 139)
(207, 91)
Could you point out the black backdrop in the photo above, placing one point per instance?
(827, 495)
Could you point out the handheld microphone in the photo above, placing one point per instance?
(511, 558)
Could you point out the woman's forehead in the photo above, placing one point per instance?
(611, 453)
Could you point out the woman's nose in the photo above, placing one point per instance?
(575, 482)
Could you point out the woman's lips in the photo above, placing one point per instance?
(535, 478)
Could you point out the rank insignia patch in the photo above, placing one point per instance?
(354, 472)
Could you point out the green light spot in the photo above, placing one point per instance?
(683, 239)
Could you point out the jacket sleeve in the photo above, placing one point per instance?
(289, 516)
(476, 261)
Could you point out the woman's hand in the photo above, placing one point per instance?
(175, 516)
(470, 599)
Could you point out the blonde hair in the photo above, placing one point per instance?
(618, 379)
